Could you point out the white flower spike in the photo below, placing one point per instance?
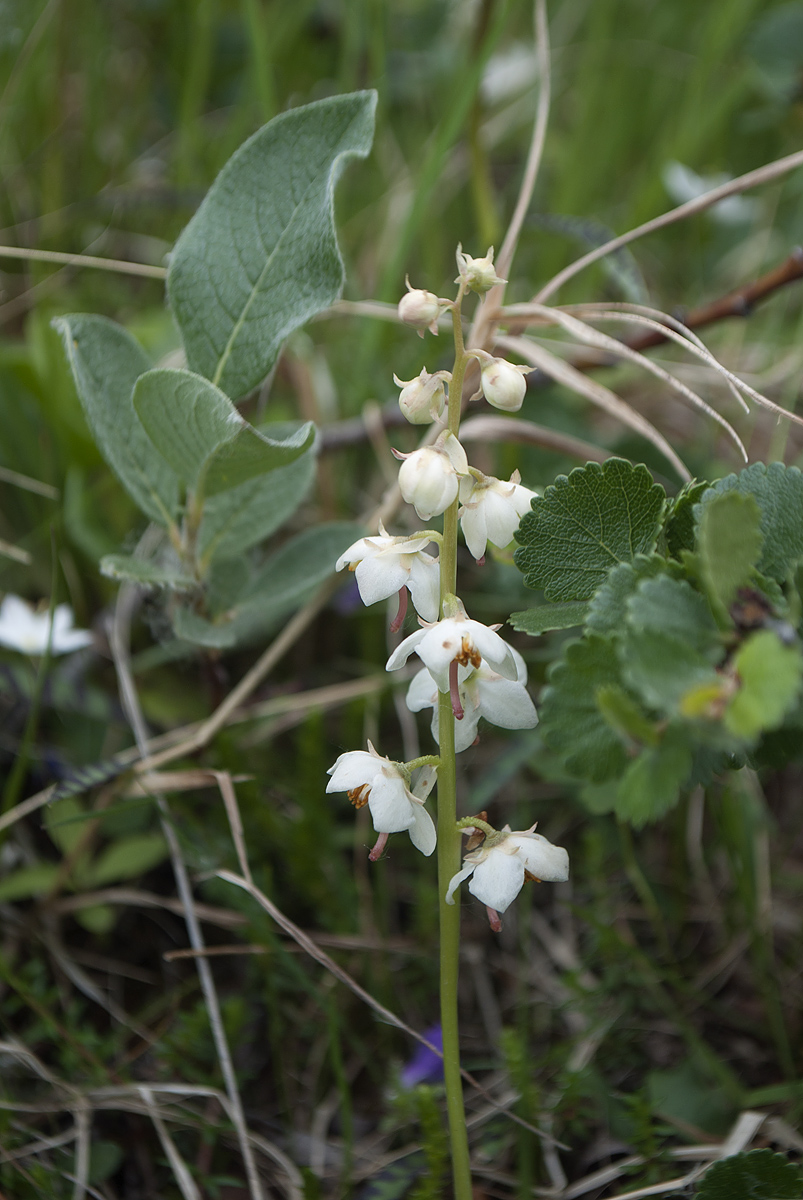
(478, 274)
(482, 693)
(420, 309)
(455, 642)
(422, 399)
(384, 565)
(492, 510)
(385, 787)
(429, 477)
(499, 867)
(24, 629)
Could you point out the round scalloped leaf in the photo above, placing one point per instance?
(586, 523)
(572, 723)
(758, 1175)
(778, 491)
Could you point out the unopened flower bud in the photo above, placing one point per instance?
(428, 478)
(420, 309)
(422, 399)
(478, 274)
(503, 383)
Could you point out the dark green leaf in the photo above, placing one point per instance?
(125, 859)
(651, 784)
(662, 669)
(586, 523)
(679, 526)
(729, 541)
(607, 611)
(758, 1175)
(779, 493)
(571, 722)
(259, 258)
(544, 617)
(28, 881)
(106, 363)
(672, 607)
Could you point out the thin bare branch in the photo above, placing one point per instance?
(29, 485)
(765, 174)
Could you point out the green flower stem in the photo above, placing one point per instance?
(448, 833)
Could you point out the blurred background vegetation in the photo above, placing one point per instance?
(643, 1005)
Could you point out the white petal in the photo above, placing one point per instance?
(355, 553)
(422, 692)
(540, 857)
(422, 831)
(403, 651)
(456, 880)
(472, 522)
(501, 519)
(424, 583)
(506, 704)
(498, 880)
(352, 770)
(425, 779)
(494, 649)
(439, 646)
(379, 577)
(391, 807)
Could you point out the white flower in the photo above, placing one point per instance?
(422, 399)
(491, 510)
(503, 383)
(428, 478)
(499, 869)
(385, 787)
(24, 629)
(478, 274)
(482, 693)
(455, 641)
(420, 309)
(384, 565)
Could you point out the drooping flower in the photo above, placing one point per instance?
(455, 642)
(503, 383)
(482, 693)
(478, 274)
(422, 399)
(499, 867)
(429, 477)
(420, 309)
(24, 629)
(491, 509)
(394, 801)
(384, 565)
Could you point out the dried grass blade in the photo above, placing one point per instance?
(592, 337)
(488, 428)
(180, 1169)
(569, 376)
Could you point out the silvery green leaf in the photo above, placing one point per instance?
(202, 436)
(260, 257)
(106, 363)
(237, 519)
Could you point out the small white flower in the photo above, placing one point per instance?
(482, 693)
(500, 866)
(420, 309)
(492, 510)
(428, 478)
(385, 787)
(454, 642)
(24, 629)
(503, 383)
(478, 274)
(422, 399)
(384, 565)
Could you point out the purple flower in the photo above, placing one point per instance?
(425, 1066)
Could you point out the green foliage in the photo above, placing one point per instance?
(106, 363)
(549, 616)
(682, 665)
(260, 257)
(757, 1175)
(200, 433)
(586, 523)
